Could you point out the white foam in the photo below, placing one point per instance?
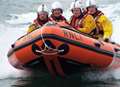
(24, 18)
(9, 36)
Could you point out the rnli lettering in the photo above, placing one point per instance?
(71, 35)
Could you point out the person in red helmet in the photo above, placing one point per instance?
(42, 18)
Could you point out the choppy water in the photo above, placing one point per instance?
(15, 16)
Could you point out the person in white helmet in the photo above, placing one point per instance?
(42, 18)
(83, 23)
(103, 24)
(57, 11)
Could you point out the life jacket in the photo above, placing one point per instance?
(96, 17)
(76, 22)
(97, 14)
(84, 23)
(39, 22)
(98, 30)
(57, 19)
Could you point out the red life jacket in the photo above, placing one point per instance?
(76, 22)
(39, 22)
(96, 17)
(97, 14)
(57, 19)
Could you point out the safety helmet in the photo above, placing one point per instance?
(77, 4)
(90, 3)
(42, 8)
(56, 5)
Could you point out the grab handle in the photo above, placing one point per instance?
(116, 49)
(98, 45)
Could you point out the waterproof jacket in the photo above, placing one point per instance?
(84, 23)
(36, 24)
(103, 24)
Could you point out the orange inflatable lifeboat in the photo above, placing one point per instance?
(58, 48)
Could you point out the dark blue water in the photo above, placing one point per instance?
(45, 80)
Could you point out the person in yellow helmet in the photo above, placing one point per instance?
(42, 18)
(103, 24)
(83, 23)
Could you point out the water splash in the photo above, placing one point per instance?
(9, 36)
(22, 18)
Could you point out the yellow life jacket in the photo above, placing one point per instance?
(31, 28)
(36, 24)
(105, 25)
(88, 24)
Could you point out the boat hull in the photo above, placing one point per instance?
(62, 47)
